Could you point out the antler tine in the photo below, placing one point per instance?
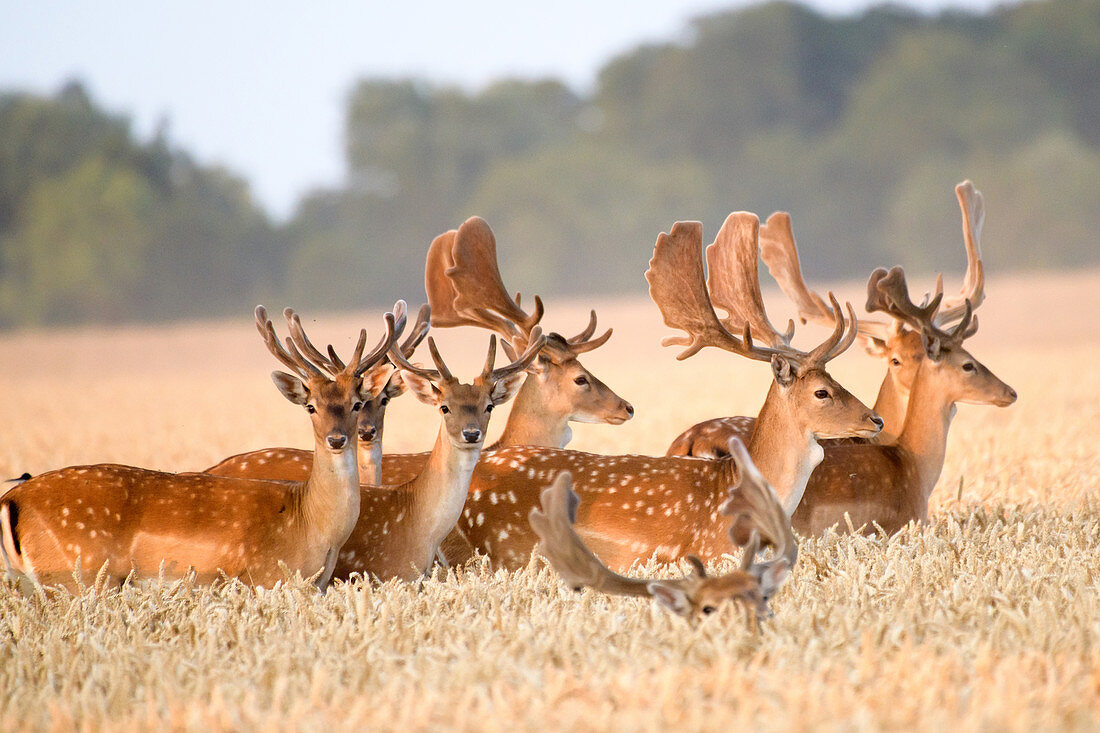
(677, 286)
(378, 353)
(440, 365)
(535, 342)
(780, 253)
(475, 277)
(972, 205)
(490, 358)
(401, 362)
(587, 332)
(303, 369)
(888, 292)
(583, 342)
(419, 330)
(305, 345)
(755, 508)
(734, 278)
(843, 335)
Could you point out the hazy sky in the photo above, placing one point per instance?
(260, 87)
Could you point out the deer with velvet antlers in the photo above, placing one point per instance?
(756, 515)
(891, 340)
(120, 520)
(636, 506)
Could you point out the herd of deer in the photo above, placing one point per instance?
(815, 457)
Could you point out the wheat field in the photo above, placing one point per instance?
(987, 618)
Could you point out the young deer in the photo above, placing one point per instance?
(890, 340)
(756, 514)
(636, 506)
(889, 485)
(383, 382)
(400, 528)
(465, 288)
(127, 519)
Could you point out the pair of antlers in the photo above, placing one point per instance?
(489, 374)
(686, 298)
(780, 254)
(465, 288)
(756, 516)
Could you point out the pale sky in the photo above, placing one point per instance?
(260, 87)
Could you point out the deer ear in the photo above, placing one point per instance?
(932, 346)
(506, 388)
(772, 577)
(697, 566)
(874, 346)
(423, 388)
(291, 387)
(671, 597)
(374, 382)
(396, 386)
(783, 370)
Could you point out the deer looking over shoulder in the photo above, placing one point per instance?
(890, 340)
(637, 506)
(125, 519)
(889, 485)
(756, 514)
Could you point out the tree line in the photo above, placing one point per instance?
(858, 125)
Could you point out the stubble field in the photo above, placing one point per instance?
(988, 618)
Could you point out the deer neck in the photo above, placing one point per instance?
(437, 495)
(891, 406)
(533, 422)
(370, 462)
(328, 506)
(923, 439)
(785, 452)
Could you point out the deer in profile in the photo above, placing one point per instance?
(889, 485)
(384, 383)
(890, 340)
(121, 520)
(756, 515)
(635, 507)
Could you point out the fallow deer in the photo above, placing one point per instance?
(400, 528)
(756, 514)
(384, 384)
(890, 340)
(638, 506)
(889, 485)
(121, 520)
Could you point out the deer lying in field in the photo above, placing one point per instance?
(120, 519)
(384, 384)
(890, 340)
(400, 528)
(637, 506)
(756, 513)
(889, 485)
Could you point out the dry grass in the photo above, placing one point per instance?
(989, 618)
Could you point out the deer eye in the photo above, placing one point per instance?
(822, 394)
(581, 380)
(384, 401)
(311, 409)
(489, 407)
(444, 409)
(357, 407)
(708, 610)
(895, 361)
(968, 366)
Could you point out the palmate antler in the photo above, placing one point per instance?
(756, 512)
(465, 288)
(888, 292)
(677, 286)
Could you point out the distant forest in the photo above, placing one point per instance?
(858, 125)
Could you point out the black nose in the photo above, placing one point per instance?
(630, 409)
(336, 442)
(1012, 393)
(366, 433)
(471, 436)
(878, 421)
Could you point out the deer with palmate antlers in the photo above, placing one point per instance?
(121, 520)
(637, 506)
(756, 514)
(890, 340)
(400, 528)
(384, 384)
(889, 485)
